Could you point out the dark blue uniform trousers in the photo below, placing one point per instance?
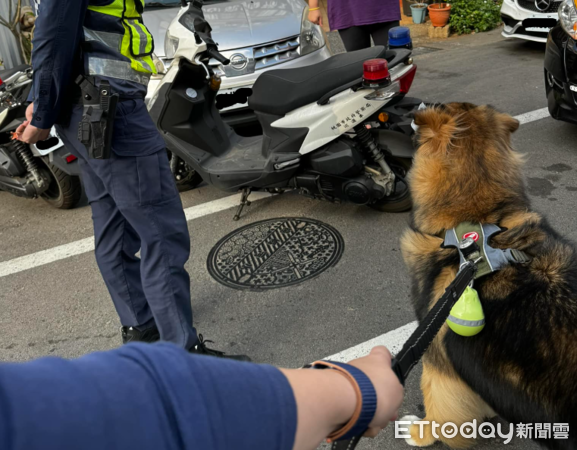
(136, 206)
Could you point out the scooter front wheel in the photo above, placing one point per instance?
(189, 180)
(400, 200)
(185, 177)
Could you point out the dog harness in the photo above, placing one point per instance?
(493, 259)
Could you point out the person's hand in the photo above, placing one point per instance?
(316, 17)
(377, 366)
(29, 133)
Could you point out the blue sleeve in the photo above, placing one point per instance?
(57, 35)
(145, 397)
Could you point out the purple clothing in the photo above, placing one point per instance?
(353, 13)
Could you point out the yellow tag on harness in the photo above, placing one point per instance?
(467, 317)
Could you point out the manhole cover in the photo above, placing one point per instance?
(275, 253)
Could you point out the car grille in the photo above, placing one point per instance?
(259, 57)
(530, 6)
(279, 52)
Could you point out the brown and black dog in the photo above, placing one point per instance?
(523, 365)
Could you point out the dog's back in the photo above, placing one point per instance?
(523, 365)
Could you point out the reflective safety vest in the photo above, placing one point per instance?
(117, 43)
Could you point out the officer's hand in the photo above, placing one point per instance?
(30, 134)
(316, 17)
(377, 366)
(23, 125)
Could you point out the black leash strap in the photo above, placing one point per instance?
(419, 342)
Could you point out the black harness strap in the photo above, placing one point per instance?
(419, 342)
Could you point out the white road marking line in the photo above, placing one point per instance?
(393, 340)
(87, 245)
(206, 209)
(46, 256)
(532, 116)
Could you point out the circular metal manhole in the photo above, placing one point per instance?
(275, 253)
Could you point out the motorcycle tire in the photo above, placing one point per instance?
(64, 191)
(188, 181)
(189, 178)
(398, 201)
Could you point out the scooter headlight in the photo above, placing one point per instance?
(568, 17)
(160, 68)
(170, 45)
(311, 38)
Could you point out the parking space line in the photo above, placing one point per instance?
(393, 340)
(532, 116)
(86, 245)
(204, 209)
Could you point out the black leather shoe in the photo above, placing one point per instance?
(131, 334)
(201, 349)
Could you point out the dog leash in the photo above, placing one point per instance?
(419, 342)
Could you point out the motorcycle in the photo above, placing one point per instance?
(45, 169)
(339, 130)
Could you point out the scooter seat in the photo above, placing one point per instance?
(7, 73)
(281, 91)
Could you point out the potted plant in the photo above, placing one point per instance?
(418, 11)
(439, 13)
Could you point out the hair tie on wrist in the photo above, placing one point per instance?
(366, 400)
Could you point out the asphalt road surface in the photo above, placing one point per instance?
(62, 307)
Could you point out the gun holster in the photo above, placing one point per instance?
(97, 124)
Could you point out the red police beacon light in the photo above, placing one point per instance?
(376, 73)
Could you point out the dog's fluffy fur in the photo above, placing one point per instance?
(523, 365)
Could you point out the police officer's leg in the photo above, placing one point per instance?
(144, 190)
(116, 245)
(116, 242)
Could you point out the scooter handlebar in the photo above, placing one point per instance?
(214, 53)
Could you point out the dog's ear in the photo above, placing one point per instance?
(436, 127)
(510, 124)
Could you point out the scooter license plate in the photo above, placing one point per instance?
(233, 98)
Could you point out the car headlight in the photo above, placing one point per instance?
(311, 35)
(170, 45)
(568, 17)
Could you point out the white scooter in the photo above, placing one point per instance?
(327, 128)
(45, 169)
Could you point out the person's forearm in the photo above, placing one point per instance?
(325, 401)
(313, 3)
(146, 397)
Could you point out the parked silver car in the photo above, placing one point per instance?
(256, 35)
